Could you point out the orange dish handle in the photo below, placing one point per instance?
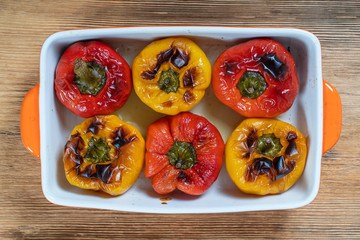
(332, 116)
(29, 121)
(30, 128)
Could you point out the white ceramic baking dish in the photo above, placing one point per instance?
(316, 115)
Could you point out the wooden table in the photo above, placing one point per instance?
(26, 214)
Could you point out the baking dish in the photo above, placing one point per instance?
(316, 112)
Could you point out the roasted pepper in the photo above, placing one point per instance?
(265, 156)
(104, 153)
(256, 78)
(183, 151)
(92, 79)
(171, 75)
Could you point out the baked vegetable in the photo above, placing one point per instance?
(265, 156)
(256, 78)
(104, 153)
(92, 79)
(171, 75)
(183, 151)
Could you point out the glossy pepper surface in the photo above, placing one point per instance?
(92, 79)
(265, 156)
(171, 75)
(104, 153)
(183, 151)
(256, 78)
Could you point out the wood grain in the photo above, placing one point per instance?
(26, 214)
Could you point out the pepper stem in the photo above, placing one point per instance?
(90, 77)
(251, 85)
(182, 155)
(81, 69)
(98, 151)
(268, 145)
(169, 81)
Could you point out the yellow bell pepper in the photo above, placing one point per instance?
(265, 156)
(104, 153)
(171, 75)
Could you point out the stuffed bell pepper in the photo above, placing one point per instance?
(256, 78)
(171, 75)
(183, 151)
(265, 156)
(92, 79)
(104, 153)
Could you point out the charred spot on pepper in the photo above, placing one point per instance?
(247, 154)
(175, 55)
(291, 149)
(95, 125)
(149, 75)
(104, 172)
(98, 150)
(165, 56)
(169, 81)
(90, 77)
(263, 165)
(260, 166)
(161, 58)
(120, 139)
(268, 145)
(273, 65)
(251, 85)
(279, 164)
(183, 177)
(167, 104)
(76, 144)
(189, 76)
(179, 59)
(282, 168)
(182, 155)
(188, 97)
(251, 139)
(188, 80)
(250, 142)
(230, 68)
(291, 136)
(89, 172)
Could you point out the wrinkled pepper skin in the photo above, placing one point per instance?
(118, 171)
(186, 62)
(192, 130)
(113, 93)
(260, 174)
(270, 61)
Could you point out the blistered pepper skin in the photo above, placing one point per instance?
(189, 129)
(261, 56)
(125, 156)
(113, 94)
(187, 63)
(260, 174)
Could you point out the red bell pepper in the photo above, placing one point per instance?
(92, 79)
(256, 78)
(184, 151)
